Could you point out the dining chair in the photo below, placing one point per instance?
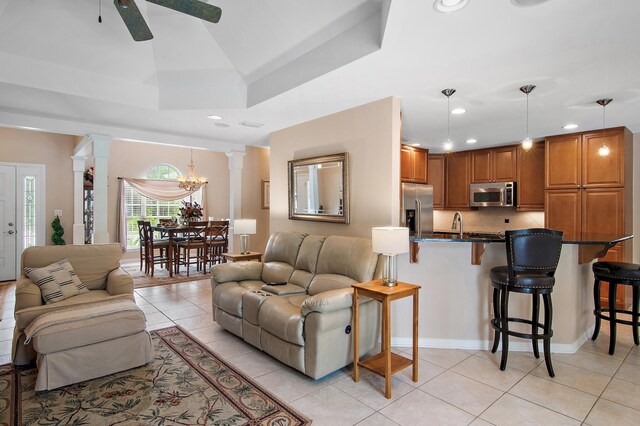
(195, 239)
(143, 247)
(218, 240)
(151, 246)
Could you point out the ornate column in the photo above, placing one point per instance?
(78, 198)
(236, 161)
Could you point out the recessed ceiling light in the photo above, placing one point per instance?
(527, 3)
(448, 6)
(415, 144)
(448, 146)
(215, 117)
(458, 111)
(472, 140)
(570, 126)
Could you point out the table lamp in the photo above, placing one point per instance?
(390, 241)
(244, 227)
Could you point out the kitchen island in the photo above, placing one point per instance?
(455, 305)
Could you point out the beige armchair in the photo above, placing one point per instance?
(97, 266)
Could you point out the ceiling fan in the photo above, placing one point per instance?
(137, 26)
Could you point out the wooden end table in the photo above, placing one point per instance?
(237, 257)
(386, 363)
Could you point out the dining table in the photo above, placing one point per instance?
(171, 232)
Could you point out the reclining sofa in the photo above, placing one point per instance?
(297, 304)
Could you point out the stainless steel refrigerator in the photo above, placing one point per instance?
(417, 208)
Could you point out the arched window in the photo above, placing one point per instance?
(139, 207)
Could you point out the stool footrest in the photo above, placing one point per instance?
(600, 314)
(495, 324)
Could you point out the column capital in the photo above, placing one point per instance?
(79, 162)
(236, 159)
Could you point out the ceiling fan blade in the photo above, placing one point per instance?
(133, 19)
(197, 8)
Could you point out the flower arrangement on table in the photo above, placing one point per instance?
(190, 211)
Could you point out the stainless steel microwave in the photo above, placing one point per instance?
(497, 194)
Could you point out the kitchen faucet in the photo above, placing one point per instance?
(457, 217)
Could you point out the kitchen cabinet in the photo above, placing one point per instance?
(436, 178)
(457, 180)
(586, 193)
(493, 165)
(530, 178)
(413, 164)
(573, 161)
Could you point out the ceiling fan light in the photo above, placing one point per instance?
(527, 144)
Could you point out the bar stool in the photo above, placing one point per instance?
(615, 273)
(532, 259)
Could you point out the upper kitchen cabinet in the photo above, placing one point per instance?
(573, 161)
(413, 164)
(530, 178)
(457, 180)
(436, 178)
(493, 165)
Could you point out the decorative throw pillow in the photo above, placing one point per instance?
(57, 281)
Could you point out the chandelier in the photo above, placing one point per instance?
(192, 182)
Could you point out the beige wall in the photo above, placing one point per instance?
(370, 134)
(54, 151)
(255, 169)
(133, 160)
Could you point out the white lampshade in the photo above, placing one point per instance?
(245, 226)
(390, 240)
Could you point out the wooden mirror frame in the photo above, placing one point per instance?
(332, 218)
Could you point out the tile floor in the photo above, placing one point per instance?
(455, 386)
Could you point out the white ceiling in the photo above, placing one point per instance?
(282, 62)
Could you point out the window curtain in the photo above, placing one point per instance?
(165, 190)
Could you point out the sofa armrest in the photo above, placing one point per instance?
(237, 271)
(28, 294)
(329, 301)
(119, 282)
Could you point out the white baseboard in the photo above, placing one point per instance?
(516, 346)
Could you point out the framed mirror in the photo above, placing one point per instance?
(319, 188)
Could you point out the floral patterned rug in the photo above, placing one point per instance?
(186, 384)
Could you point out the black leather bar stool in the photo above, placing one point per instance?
(615, 273)
(532, 259)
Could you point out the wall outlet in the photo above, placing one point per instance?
(57, 213)
(506, 221)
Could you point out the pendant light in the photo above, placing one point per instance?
(603, 151)
(448, 145)
(527, 143)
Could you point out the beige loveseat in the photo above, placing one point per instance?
(305, 320)
(97, 266)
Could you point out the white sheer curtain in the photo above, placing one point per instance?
(165, 190)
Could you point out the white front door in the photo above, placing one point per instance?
(7, 223)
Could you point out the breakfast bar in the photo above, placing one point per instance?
(456, 310)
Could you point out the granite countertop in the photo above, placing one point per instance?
(489, 237)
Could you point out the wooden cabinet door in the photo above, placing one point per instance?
(601, 172)
(504, 164)
(436, 178)
(603, 211)
(562, 211)
(406, 164)
(530, 178)
(563, 162)
(420, 166)
(481, 166)
(457, 172)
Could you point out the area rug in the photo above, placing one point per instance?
(186, 384)
(161, 276)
